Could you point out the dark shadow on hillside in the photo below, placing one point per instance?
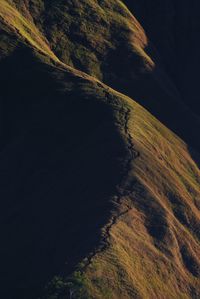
(153, 90)
(167, 24)
(59, 166)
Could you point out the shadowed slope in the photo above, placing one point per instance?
(72, 189)
(154, 247)
(62, 157)
(92, 35)
(173, 27)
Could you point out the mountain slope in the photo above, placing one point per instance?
(90, 179)
(92, 35)
(154, 250)
(176, 40)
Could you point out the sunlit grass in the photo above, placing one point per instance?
(164, 179)
(25, 28)
(133, 267)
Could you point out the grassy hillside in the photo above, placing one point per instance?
(155, 250)
(23, 27)
(92, 35)
(63, 153)
(98, 198)
(152, 245)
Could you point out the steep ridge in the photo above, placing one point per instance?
(92, 35)
(154, 251)
(89, 177)
(26, 29)
(62, 146)
(139, 64)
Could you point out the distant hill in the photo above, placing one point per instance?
(100, 198)
(173, 27)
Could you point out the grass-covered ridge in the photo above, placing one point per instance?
(155, 244)
(95, 191)
(84, 34)
(91, 36)
(24, 27)
(152, 247)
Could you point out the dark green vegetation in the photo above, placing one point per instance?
(98, 198)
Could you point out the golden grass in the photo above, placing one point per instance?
(25, 28)
(136, 264)
(163, 180)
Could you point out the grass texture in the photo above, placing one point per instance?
(148, 244)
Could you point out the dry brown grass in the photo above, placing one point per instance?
(154, 248)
